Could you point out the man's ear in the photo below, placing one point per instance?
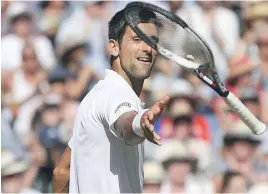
(113, 47)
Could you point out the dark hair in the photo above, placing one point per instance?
(45, 4)
(230, 139)
(117, 24)
(25, 16)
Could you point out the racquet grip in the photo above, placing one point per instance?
(256, 126)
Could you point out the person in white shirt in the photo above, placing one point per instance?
(111, 123)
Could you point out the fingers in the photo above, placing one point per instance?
(149, 133)
(162, 103)
(148, 125)
(152, 137)
(150, 115)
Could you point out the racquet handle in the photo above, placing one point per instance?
(256, 126)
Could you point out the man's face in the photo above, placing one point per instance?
(137, 57)
(30, 60)
(178, 171)
(22, 26)
(242, 150)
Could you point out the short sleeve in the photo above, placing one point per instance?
(70, 143)
(118, 104)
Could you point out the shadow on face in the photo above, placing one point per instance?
(137, 57)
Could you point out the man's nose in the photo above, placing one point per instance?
(146, 47)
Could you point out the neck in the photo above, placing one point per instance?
(135, 84)
(24, 36)
(178, 187)
(28, 73)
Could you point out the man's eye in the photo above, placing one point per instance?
(137, 39)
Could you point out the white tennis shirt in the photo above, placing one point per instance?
(100, 160)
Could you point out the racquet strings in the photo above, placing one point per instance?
(173, 37)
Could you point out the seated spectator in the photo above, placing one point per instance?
(219, 27)
(153, 177)
(27, 79)
(179, 164)
(53, 12)
(183, 103)
(13, 174)
(254, 16)
(72, 50)
(22, 31)
(241, 75)
(239, 153)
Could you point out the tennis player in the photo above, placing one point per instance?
(112, 124)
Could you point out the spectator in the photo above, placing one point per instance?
(13, 174)
(179, 164)
(27, 79)
(91, 21)
(219, 27)
(72, 50)
(57, 80)
(182, 104)
(153, 177)
(47, 129)
(241, 75)
(21, 23)
(53, 12)
(254, 16)
(240, 152)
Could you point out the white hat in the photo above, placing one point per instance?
(53, 99)
(13, 166)
(153, 172)
(202, 154)
(240, 129)
(172, 149)
(6, 159)
(17, 8)
(67, 38)
(181, 87)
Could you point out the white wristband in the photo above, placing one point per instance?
(136, 124)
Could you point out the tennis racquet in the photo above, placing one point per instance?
(179, 43)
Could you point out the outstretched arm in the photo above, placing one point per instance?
(134, 127)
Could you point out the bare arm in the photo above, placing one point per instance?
(61, 174)
(123, 125)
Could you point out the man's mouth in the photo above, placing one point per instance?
(145, 59)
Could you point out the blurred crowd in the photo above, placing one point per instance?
(52, 54)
